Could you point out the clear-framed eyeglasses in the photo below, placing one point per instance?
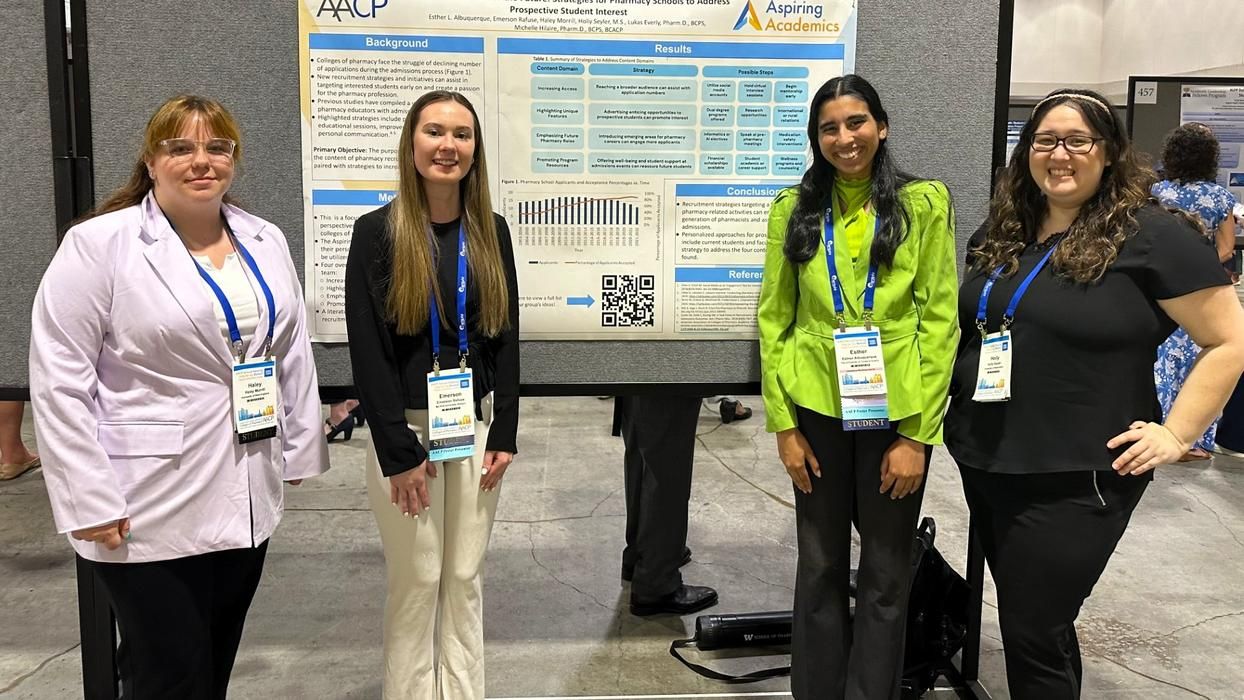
(1076, 143)
(216, 149)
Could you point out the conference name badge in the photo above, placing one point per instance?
(254, 400)
(861, 379)
(451, 415)
(993, 374)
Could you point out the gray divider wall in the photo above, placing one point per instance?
(932, 62)
(27, 206)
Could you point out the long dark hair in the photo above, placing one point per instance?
(1105, 221)
(816, 190)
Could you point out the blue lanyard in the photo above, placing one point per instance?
(434, 314)
(835, 286)
(1008, 317)
(235, 333)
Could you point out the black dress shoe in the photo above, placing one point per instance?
(730, 411)
(683, 601)
(628, 571)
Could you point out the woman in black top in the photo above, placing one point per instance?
(405, 271)
(1053, 472)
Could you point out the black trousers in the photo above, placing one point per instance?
(830, 658)
(659, 434)
(1047, 538)
(181, 621)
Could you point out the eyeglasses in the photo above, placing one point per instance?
(1076, 143)
(216, 149)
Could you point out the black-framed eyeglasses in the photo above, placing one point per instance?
(1076, 143)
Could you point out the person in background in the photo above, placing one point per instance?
(343, 417)
(658, 432)
(430, 283)
(169, 481)
(1234, 267)
(730, 408)
(859, 273)
(1073, 282)
(1190, 171)
(15, 459)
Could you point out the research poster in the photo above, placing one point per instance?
(1221, 108)
(633, 146)
(1014, 128)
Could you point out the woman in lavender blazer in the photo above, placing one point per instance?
(132, 360)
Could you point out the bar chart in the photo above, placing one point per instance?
(579, 220)
(601, 211)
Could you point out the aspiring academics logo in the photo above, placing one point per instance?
(801, 17)
(748, 16)
(353, 9)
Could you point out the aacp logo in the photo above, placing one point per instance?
(748, 16)
(351, 8)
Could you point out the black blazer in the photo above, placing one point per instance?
(390, 370)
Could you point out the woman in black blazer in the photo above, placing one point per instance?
(431, 295)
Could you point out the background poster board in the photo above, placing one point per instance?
(936, 67)
(1221, 108)
(27, 205)
(1157, 104)
(633, 147)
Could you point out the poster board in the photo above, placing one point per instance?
(1158, 104)
(27, 206)
(934, 66)
(633, 147)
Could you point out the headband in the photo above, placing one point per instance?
(1073, 95)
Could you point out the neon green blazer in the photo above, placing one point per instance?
(916, 309)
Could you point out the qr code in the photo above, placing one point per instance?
(627, 300)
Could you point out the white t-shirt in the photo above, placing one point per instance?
(235, 283)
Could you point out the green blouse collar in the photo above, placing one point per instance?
(853, 193)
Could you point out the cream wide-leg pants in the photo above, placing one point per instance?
(433, 612)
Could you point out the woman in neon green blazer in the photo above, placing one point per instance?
(898, 231)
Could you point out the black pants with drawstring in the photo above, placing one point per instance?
(1047, 538)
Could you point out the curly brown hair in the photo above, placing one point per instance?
(1190, 153)
(1105, 221)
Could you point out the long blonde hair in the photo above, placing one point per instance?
(413, 286)
(167, 123)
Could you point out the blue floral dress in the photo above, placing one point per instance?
(1212, 203)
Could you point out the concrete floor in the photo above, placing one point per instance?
(1167, 619)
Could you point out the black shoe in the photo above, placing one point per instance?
(346, 426)
(628, 572)
(683, 601)
(730, 411)
(359, 418)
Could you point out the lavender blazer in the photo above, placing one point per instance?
(130, 383)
